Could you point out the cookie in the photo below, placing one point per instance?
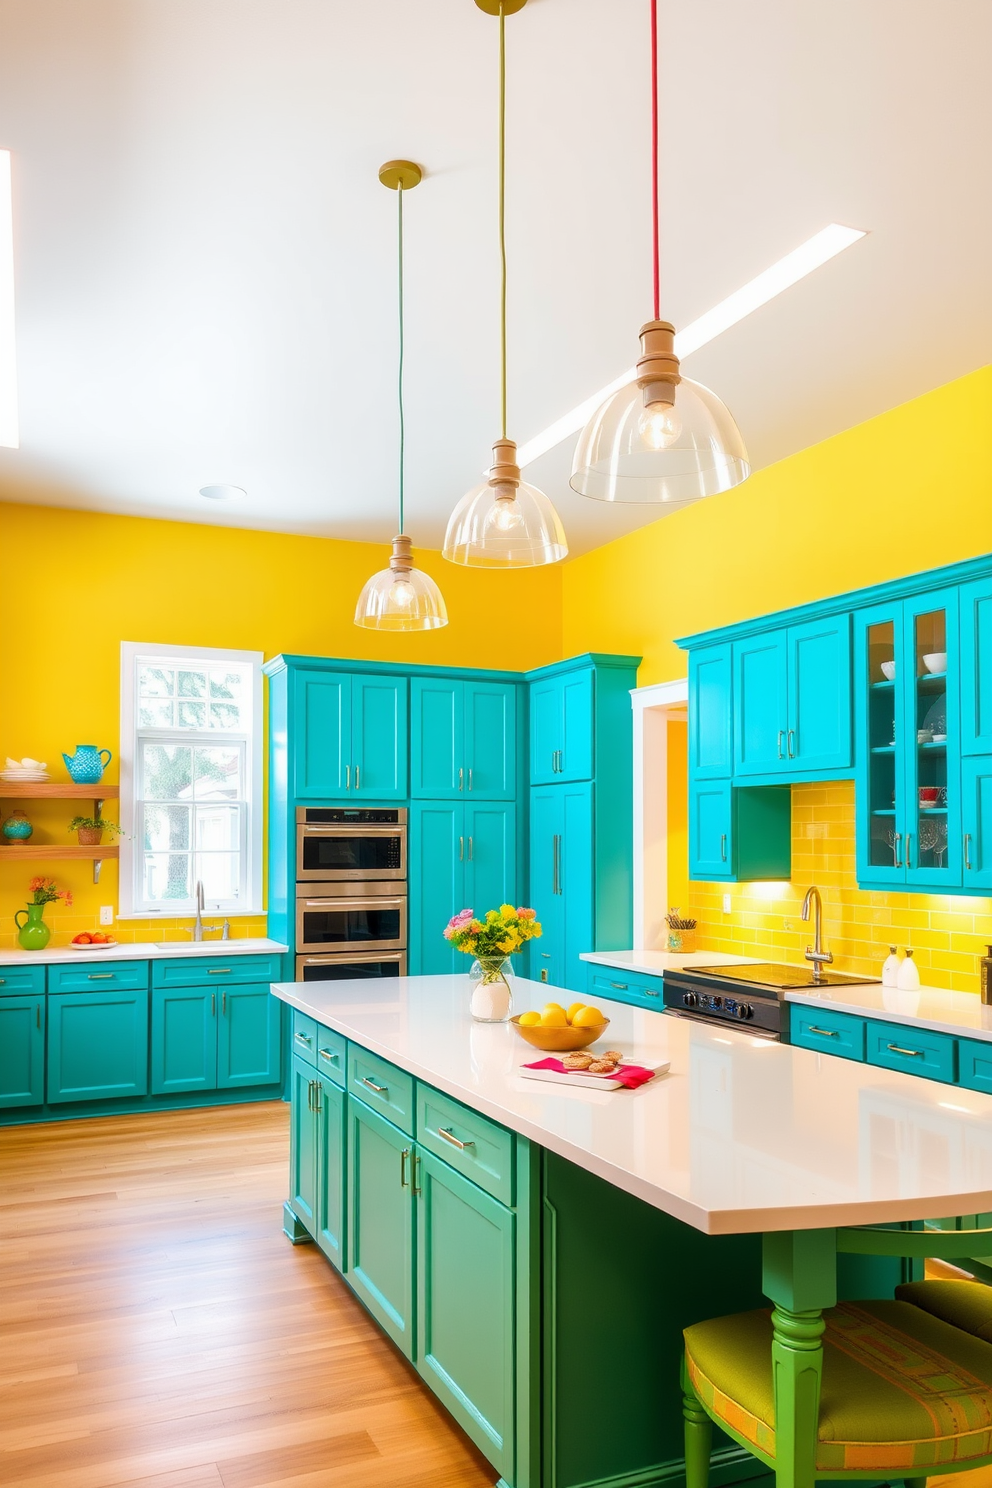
(602, 1067)
(613, 1054)
(577, 1061)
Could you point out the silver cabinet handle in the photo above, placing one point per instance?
(909, 838)
(967, 853)
(415, 1186)
(790, 740)
(910, 1053)
(213, 1004)
(461, 849)
(379, 1089)
(100, 976)
(781, 741)
(461, 777)
(357, 776)
(37, 1015)
(303, 1038)
(470, 777)
(447, 1135)
(649, 992)
(896, 860)
(723, 847)
(219, 970)
(620, 986)
(347, 777)
(331, 1055)
(824, 1032)
(223, 1004)
(471, 848)
(403, 1161)
(317, 1103)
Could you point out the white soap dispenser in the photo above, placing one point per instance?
(890, 969)
(909, 974)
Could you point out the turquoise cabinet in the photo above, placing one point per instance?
(917, 1051)
(563, 883)
(248, 1037)
(183, 1039)
(97, 1045)
(792, 690)
(463, 739)
(380, 1260)
(317, 1158)
(827, 1031)
(710, 808)
(976, 666)
(562, 727)
(350, 735)
(462, 856)
(976, 822)
(610, 984)
(303, 1145)
(975, 1064)
(739, 834)
(22, 1050)
(711, 717)
(761, 706)
(465, 1305)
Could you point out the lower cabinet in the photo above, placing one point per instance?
(209, 1038)
(381, 1161)
(97, 1045)
(22, 1050)
(317, 1158)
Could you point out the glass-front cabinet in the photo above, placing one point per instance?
(908, 716)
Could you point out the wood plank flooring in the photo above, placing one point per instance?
(157, 1330)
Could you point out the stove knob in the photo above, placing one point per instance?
(689, 999)
(745, 1010)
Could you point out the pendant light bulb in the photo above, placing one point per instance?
(659, 425)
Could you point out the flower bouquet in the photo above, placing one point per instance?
(492, 940)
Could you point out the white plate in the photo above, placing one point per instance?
(101, 945)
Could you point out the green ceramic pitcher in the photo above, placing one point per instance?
(34, 934)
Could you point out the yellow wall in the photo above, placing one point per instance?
(905, 492)
(75, 584)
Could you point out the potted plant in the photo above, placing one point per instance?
(90, 829)
(492, 940)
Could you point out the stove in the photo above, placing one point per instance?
(750, 996)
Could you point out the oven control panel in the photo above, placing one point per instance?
(714, 1002)
(689, 997)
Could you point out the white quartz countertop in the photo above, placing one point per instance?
(142, 951)
(654, 963)
(744, 1134)
(961, 1013)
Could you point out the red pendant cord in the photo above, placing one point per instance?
(654, 158)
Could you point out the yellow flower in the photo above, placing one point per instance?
(508, 912)
(508, 945)
(469, 947)
(535, 927)
(492, 914)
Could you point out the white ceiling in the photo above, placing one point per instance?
(205, 257)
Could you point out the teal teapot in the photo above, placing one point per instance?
(87, 765)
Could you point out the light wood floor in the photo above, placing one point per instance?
(156, 1327)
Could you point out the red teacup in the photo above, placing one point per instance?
(929, 795)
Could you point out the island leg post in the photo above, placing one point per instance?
(698, 1436)
(799, 1275)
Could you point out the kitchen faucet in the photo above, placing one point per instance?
(815, 952)
(198, 925)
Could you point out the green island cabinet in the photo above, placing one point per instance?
(491, 1264)
(890, 686)
(518, 787)
(91, 1038)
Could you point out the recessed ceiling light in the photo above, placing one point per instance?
(221, 493)
(787, 271)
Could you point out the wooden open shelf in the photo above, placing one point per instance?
(48, 790)
(55, 850)
(52, 791)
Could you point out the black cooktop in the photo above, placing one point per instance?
(768, 974)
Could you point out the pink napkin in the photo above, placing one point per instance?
(630, 1075)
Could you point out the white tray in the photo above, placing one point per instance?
(595, 1082)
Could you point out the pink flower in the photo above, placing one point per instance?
(457, 922)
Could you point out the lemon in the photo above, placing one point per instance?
(529, 1020)
(588, 1017)
(554, 1017)
(575, 1008)
(550, 1006)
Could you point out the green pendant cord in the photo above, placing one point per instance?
(399, 215)
(502, 213)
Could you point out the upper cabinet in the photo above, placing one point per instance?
(561, 733)
(793, 689)
(463, 739)
(350, 734)
(711, 717)
(976, 667)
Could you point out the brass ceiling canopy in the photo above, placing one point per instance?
(400, 173)
(508, 7)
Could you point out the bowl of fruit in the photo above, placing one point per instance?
(560, 1030)
(91, 940)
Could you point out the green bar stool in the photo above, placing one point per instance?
(874, 1390)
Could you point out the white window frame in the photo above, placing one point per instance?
(131, 905)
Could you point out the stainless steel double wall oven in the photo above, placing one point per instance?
(351, 892)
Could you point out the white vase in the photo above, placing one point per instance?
(491, 996)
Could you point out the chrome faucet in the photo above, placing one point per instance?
(198, 925)
(815, 952)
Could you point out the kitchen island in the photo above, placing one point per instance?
(556, 1241)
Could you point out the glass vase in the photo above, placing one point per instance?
(492, 999)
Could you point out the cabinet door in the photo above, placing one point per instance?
(437, 884)
(329, 1100)
(490, 856)
(931, 807)
(820, 694)
(547, 725)
(97, 1045)
(975, 602)
(577, 697)
(184, 1039)
(321, 733)
(761, 714)
(711, 716)
(490, 740)
(976, 819)
(465, 1249)
(380, 1221)
(248, 1037)
(576, 876)
(710, 822)
(303, 1145)
(547, 824)
(437, 739)
(379, 737)
(22, 1050)
(881, 748)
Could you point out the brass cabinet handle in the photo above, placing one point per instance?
(213, 1004)
(223, 1004)
(910, 1053)
(461, 777)
(620, 986)
(100, 976)
(347, 777)
(303, 1038)
(649, 992)
(447, 1135)
(316, 1098)
(220, 970)
(909, 838)
(461, 849)
(415, 1186)
(824, 1032)
(379, 1089)
(37, 1015)
(358, 777)
(967, 854)
(781, 741)
(470, 777)
(471, 849)
(790, 739)
(403, 1157)
(331, 1055)
(896, 860)
(309, 1095)
(723, 847)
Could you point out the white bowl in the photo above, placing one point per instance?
(936, 661)
(889, 670)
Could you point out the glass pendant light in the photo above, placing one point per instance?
(662, 438)
(504, 523)
(401, 597)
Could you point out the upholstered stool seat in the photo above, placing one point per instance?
(906, 1385)
(964, 1304)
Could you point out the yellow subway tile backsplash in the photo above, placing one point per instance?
(948, 933)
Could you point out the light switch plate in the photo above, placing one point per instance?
(106, 914)
(726, 903)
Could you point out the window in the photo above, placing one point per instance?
(191, 780)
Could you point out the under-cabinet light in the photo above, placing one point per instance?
(8, 360)
(817, 250)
